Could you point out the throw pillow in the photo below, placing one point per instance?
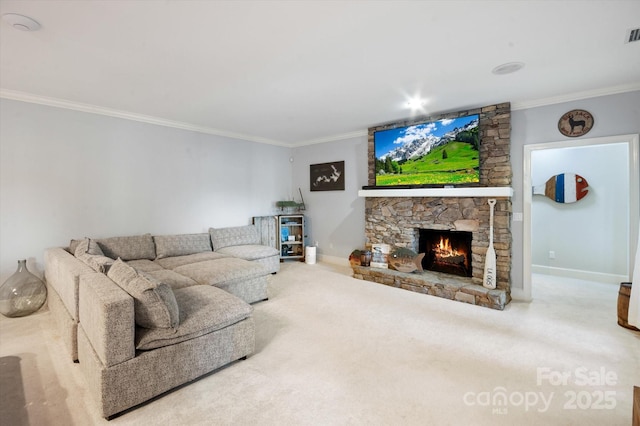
(97, 262)
(154, 302)
(88, 246)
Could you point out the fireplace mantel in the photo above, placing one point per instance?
(479, 191)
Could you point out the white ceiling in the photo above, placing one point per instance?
(299, 72)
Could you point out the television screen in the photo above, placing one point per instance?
(439, 153)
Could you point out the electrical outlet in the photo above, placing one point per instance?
(552, 254)
(316, 243)
(517, 216)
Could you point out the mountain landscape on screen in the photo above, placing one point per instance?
(444, 152)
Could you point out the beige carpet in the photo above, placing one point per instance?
(332, 350)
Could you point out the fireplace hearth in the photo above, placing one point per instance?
(446, 251)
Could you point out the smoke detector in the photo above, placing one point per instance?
(21, 22)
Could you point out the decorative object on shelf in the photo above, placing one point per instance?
(284, 234)
(365, 258)
(327, 176)
(289, 207)
(360, 258)
(576, 122)
(380, 255)
(355, 258)
(489, 280)
(563, 188)
(22, 293)
(405, 260)
(301, 205)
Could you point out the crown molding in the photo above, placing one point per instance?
(576, 96)
(93, 109)
(334, 138)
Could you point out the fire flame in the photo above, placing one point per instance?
(444, 249)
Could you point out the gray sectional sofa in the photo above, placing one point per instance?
(127, 307)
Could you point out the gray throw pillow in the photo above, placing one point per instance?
(87, 246)
(154, 302)
(97, 262)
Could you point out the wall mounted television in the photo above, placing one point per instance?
(438, 153)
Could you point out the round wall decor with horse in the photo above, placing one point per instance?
(575, 123)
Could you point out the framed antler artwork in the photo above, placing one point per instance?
(575, 123)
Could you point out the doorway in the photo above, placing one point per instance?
(632, 216)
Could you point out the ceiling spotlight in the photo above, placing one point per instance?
(508, 68)
(21, 22)
(415, 103)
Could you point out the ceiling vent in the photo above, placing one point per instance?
(633, 35)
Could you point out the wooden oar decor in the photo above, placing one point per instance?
(563, 188)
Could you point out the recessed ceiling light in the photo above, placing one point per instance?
(508, 68)
(415, 103)
(21, 22)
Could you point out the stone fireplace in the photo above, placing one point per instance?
(399, 218)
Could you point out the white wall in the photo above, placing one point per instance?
(617, 114)
(66, 174)
(584, 237)
(335, 219)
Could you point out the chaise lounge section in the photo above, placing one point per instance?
(126, 364)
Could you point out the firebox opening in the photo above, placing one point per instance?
(446, 251)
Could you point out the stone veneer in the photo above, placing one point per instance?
(396, 220)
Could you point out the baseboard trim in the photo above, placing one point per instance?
(333, 259)
(579, 274)
(518, 294)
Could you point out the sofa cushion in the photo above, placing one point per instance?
(234, 236)
(203, 309)
(155, 304)
(181, 245)
(174, 262)
(129, 248)
(144, 265)
(221, 272)
(250, 251)
(171, 278)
